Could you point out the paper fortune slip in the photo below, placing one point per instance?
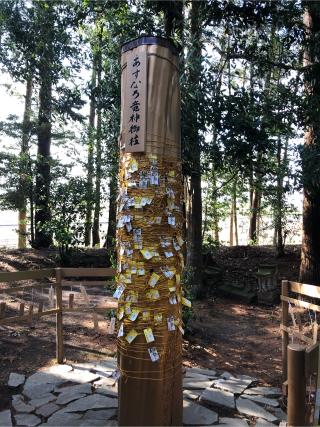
(169, 273)
(141, 270)
(153, 279)
(120, 331)
(171, 220)
(146, 315)
(173, 299)
(134, 314)
(148, 335)
(153, 294)
(168, 254)
(181, 329)
(180, 240)
(131, 335)
(157, 318)
(176, 245)
(127, 308)
(171, 325)
(146, 253)
(153, 353)
(120, 313)
(119, 291)
(133, 167)
(186, 302)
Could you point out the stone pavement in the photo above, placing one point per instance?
(85, 394)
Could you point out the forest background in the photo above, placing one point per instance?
(249, 77)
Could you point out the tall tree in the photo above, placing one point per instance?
(46, 17)
(25, 177)
(98, 159)
(192, 146)
(310, 252)
(90, 159)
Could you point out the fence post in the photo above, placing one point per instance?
(59, 324)
(296, 385)
(284, 322)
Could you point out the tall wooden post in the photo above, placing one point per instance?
(59, 324)
(284, 322)
(296, 385)
(149, 237)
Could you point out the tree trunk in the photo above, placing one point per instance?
(194, 228)
(234, 208)
(310, 251)
(253, 218)
(90, 161)
(112, 219)
(43, 238)
(231, 223)
(215, 214)
(97, 194)
(194, 203)
(32, 226)
(259, 219)
(279, 208)
(24, 168)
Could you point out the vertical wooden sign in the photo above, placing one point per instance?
(136, 93)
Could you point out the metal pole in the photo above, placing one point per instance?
(296, 385)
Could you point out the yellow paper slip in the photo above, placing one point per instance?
(134, 314)
(146, 253)
(153, 279)
(131, 336)
(148, 335)
(146, 315)
(120, 313)
(157, 318)
(186, 302)
(153, 294)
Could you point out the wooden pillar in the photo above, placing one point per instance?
(296, 385)
(59, 324)
(284, 322)
(149, 237)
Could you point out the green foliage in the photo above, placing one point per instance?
(189, 292)
(68, 210)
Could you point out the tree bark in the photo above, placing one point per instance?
(253, 217)
(24, 168)
(279, 208)
(215, 213)
(98, 171)
(90, 160)
(112, 219)
(231, 224)
(194, 202)
(43, 238)
(235, 215)
(310, 251)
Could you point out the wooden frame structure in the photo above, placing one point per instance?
(59, 274)
(299, 361)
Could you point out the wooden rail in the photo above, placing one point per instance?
(58, 274)
(299, 361)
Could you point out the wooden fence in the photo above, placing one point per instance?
(300, 360)
(63, 278)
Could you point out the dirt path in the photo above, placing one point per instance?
(226, 335)
(238, 338)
